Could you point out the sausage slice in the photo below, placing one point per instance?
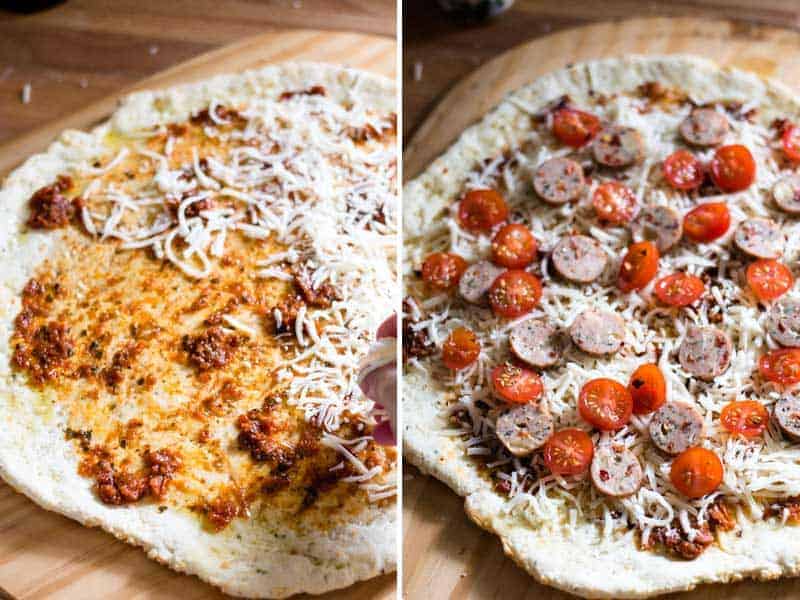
(659, 224)
(618, 146)
(676, 426)
(787, 415)
(704, 127)
(786, 193)
(579, 258)
(476, 280)
(616, 471)
(759, 237)
(783, 322)
(524, 428)
(558, 180)
(598, 332)
(705, 352)
(537, 343)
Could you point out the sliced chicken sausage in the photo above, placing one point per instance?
(559, 180)
(787, 415)
(537, 343)
(659, 224)
(783, 322)
(786, 193)
(476, 280)
(705, 352)
(579, 258)
(676, 426)
(616, 471)
(759, 237)
(524, 428)
(704, 127)
(598, 332)
(618, 146)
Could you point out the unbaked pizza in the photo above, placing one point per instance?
(602, 326)
(188, 293)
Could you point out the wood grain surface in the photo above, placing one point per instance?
(445, 555)
(83, 50)
(44, 555)
(442, 50)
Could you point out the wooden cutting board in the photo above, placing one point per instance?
(44, 555)
(445, 554)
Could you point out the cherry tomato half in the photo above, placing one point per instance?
(781, 366)
(515, 293)
(605, 404)
(574, 127)
(648, 389)
(516, 384)
(638, 267)
(696, 472)
(769, 279)
(683, 171)
(568, 452)
(791, 142)
(460, 349)
(480, 210)
(443, 270)
(707, 222)
(748, 418)
(614, 203)
(733, 168)
(514, 247)
(679, 289)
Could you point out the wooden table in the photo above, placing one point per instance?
(83, 50)
(442, 51)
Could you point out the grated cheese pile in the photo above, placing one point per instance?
(293, 175)
(756, 472)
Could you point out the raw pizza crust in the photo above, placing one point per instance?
(580, 565)
(36, 459)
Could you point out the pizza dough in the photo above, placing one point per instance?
(544, 531)
(168, 376)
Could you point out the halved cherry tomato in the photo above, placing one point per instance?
(516, 384)
(574, 127)
(733, 168)
(648, 389)
(515, 293)
(683, 171)
(707, 222)
(513, 247)
(605, 404)
(568, 452)
(791, 142)
(781, 366)
(679, 289)
(443, 270)
(460, 349)
(769, 279)
(748, 418)
(696, 472)
(614, 202)
(480, 210)
(638, 267)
